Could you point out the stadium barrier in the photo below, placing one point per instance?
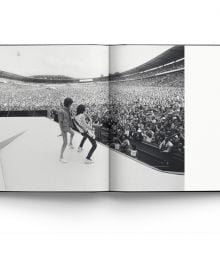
(25, 113)
(152, 155)
(147, 153)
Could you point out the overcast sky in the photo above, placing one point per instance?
(74, 61)
(129, 56)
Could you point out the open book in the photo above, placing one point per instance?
(103, 118)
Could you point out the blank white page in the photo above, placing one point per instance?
(202, 97)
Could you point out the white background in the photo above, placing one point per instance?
(202, 92)
(110, 236)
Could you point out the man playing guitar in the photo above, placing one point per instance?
(86, 130)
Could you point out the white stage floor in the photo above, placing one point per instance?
(29, 153)
(30, 162)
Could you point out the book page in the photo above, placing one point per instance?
(43, 88)
(147, 118)
(202, 118)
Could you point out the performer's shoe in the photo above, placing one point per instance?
(63, 160)
(79, 149)
(88, 161)
(71, 146)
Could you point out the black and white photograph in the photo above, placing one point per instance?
(92, 117)
(147, 117)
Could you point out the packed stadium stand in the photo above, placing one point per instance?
(147, 110)
(139, 112)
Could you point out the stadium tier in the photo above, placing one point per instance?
(172, 55)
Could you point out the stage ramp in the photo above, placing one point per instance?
(29, 161)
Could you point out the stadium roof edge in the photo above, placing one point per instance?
(172, 54)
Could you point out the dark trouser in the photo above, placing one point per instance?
(93, 142)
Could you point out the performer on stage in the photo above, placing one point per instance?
(65, 122)
(86, 130)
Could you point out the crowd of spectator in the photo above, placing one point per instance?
(149, 111)
(143, 110)
(22, 96)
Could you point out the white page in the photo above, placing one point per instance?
(202, 118)
(30, 146)
(127, 173)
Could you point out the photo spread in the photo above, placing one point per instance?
(92, 117)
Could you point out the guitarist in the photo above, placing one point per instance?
(86, 130)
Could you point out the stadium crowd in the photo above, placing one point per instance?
(21, 96)
(149, 114)
(143, 110)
